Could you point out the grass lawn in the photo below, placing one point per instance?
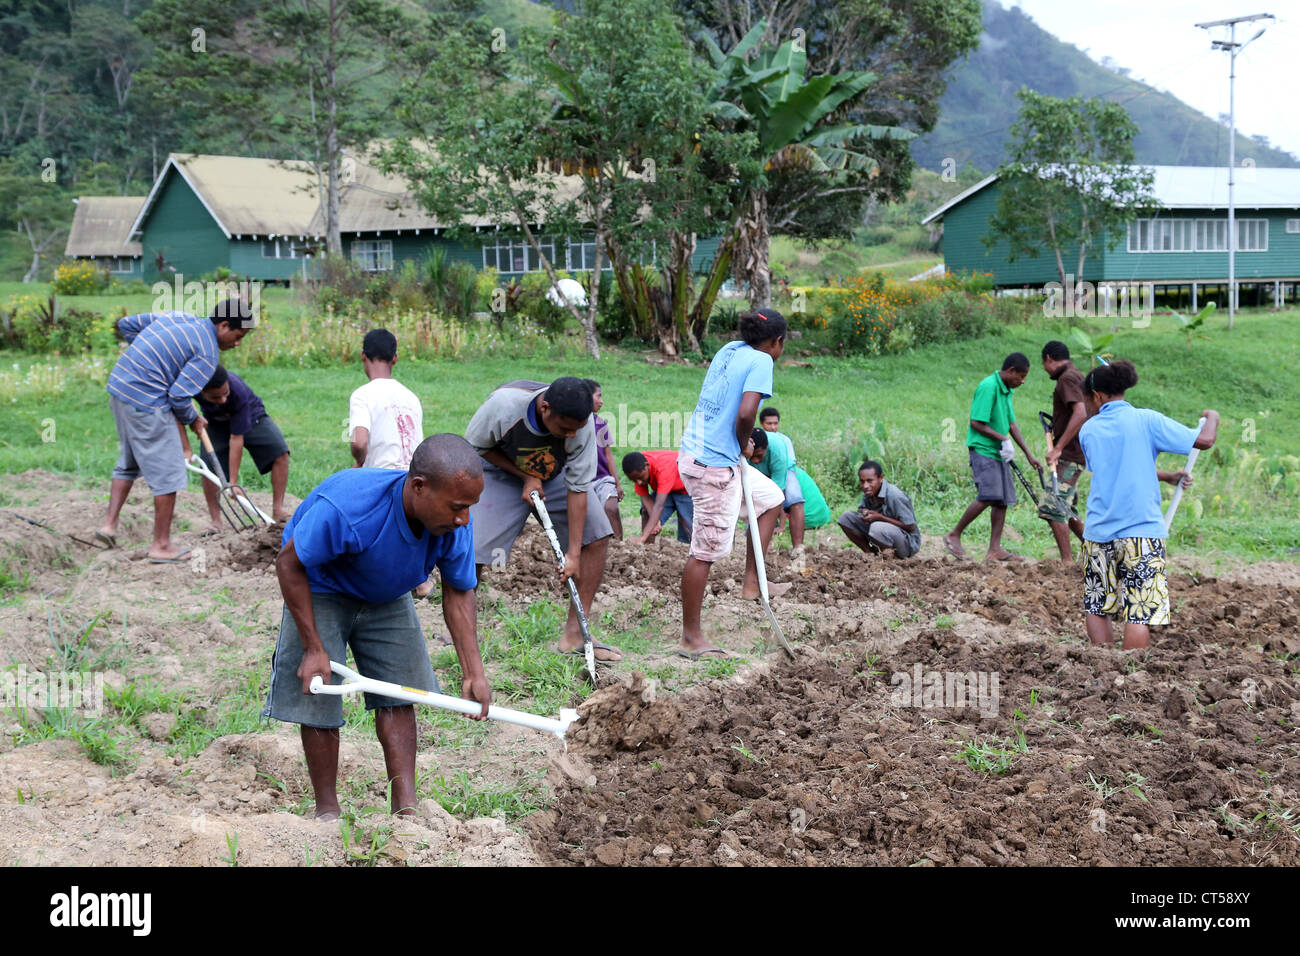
(1246, 501)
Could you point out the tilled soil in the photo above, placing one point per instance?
(1186, 754)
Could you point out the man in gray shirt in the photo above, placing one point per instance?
(538, 437)
(884, 518)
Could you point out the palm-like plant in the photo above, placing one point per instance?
(792, 117)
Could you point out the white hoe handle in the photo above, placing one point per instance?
(354, 683)
(1178, 488)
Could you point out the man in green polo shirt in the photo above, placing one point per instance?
(988, 440)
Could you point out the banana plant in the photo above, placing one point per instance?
(1095, 349)
(1192, 326)
(791, 116)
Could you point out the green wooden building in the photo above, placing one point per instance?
(1182, 252)
(99, 233)
(262, 219)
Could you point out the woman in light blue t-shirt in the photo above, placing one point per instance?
(1124, 537)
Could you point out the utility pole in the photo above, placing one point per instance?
(1233, 49)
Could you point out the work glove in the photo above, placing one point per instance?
(1008, 450)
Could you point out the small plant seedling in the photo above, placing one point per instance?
(745, 752)
(943, 620)
(232, 850)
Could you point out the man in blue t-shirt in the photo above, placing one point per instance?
(350, 556)
(739, 377)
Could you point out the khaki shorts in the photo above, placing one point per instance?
(716, 497)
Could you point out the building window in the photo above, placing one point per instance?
(1195, 235)
(1252, 235)
(283, 248)
(517, 255)
(118, 265)
(1293, 225)
(373, 255)
(582, 255)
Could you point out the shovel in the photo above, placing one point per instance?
(588, 649)
(756, 539)
(241, 513)
(1178, 488)
(354, 683)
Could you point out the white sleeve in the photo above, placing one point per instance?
(358, 413)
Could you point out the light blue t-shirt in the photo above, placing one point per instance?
(710, 436)
(1121, 443)
(352, 535)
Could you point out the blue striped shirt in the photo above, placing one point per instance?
(170, 357)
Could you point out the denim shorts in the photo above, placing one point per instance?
(387, 644)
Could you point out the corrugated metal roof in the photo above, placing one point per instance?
(101, 225)
(1200, 187)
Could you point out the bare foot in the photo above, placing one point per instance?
(214, 528)
(281, 515)
(423, 590)
(953, 546)
(327, 813)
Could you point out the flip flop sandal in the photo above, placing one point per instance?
(579, 651)
(720, 653)
(108, 540)
(952, 549)
(179, 559)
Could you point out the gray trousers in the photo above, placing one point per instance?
(882, 533)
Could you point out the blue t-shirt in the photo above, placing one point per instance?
(352, 535)
(710, 435)
(1121, 443)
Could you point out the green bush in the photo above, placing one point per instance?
(42, 325)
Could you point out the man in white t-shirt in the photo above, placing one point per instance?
(385, 420)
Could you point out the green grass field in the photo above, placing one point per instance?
(1246, 501)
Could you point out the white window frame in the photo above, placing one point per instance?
(114, 264)
(1293, 226)
(1196, 235)
(518, 251)
(373, 255)
(1255, 230)
(285, 248)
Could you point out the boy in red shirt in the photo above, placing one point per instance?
(655, 473)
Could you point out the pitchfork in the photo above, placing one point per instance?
(242, 514)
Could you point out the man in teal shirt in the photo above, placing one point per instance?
(988, 441)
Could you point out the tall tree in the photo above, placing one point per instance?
(1070, 185)
(575, 130)
(907, 44)
(282, 77)
(35, 206)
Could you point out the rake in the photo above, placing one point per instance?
(235, 507)
(354, 683)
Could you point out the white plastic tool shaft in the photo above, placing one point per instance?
(355, 683)
(1178, 489)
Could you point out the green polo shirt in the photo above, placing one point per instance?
(992, 405)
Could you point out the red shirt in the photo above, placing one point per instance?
(662, 468)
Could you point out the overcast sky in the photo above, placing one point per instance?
(1159, 42)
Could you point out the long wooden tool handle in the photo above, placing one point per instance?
(1178, 488)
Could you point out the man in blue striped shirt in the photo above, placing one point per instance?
(170, 356)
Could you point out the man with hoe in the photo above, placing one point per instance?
(350, 556)
(538, 437)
